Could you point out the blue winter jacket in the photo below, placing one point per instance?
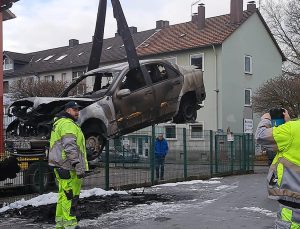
(161, 147)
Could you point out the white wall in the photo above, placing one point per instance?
(250, 39)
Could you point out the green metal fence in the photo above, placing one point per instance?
(129, 161)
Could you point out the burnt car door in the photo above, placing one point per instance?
(167, 83)
(133, 100)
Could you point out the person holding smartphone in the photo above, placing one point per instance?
(284, 174)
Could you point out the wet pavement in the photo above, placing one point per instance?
(230, 202)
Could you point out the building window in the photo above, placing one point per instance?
(248, 64)
(197, 131)
(64, 77)
(48, 57)
(8, 64)
(171, 59)
(77, 74)
(49, 78)
(81, 88)
(197, 60)
(146, 152)
(133, 140)
(61, 57)
(170, 132)
(248, 95)
(6, 87)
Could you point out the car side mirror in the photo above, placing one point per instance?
(123, 93)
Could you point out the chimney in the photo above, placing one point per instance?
(251, 6)
(162, 24)
(201, 16)
(133, 29)
(236, 11)
(195, 17)
(73, 42)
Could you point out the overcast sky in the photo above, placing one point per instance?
(45, 24)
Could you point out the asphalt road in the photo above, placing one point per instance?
(245, 206)
(232, 202)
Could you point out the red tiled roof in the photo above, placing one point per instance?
(172, 38)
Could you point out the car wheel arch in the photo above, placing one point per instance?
(95, 130)
(187, 100)
(94, 125)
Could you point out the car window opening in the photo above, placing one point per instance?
(133, 80)
(92, 85)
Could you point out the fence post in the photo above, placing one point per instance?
(252, 152)
(216, 153)
(240, 152)
(211, 152)
(152, 161)
(248, 152)
(244, 152)
(184, 154)
(231, 156)
(107, 166)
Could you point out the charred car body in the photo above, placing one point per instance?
(116, 101)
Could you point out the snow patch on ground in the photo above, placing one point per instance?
(99, 192)
(132, 215)
(259, 210)
(51, 198)
(137, 190)
(189, 183)
(142, 212)
(209, 201)
(225, 187)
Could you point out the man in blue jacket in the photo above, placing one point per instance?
(161, 150)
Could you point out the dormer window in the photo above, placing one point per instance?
(61, 57)
(48, 57)
(8, 64)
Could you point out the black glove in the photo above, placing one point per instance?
(82, 175)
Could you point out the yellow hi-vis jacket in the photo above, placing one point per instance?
(284, 174)
(67, 146)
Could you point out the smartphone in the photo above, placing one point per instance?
(277, 117)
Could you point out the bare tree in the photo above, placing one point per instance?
(283, 18)
(282, 91)
(31, 88)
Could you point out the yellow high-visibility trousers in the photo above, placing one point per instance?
(288, 218)
(69, 186)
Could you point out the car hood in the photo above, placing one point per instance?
(33, 106)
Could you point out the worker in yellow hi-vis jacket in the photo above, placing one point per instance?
(68, 157)
(284, 174)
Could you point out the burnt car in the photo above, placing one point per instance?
(115, 101)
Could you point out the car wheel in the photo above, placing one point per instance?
(94, 145)
(32, 176)
(188, 111)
